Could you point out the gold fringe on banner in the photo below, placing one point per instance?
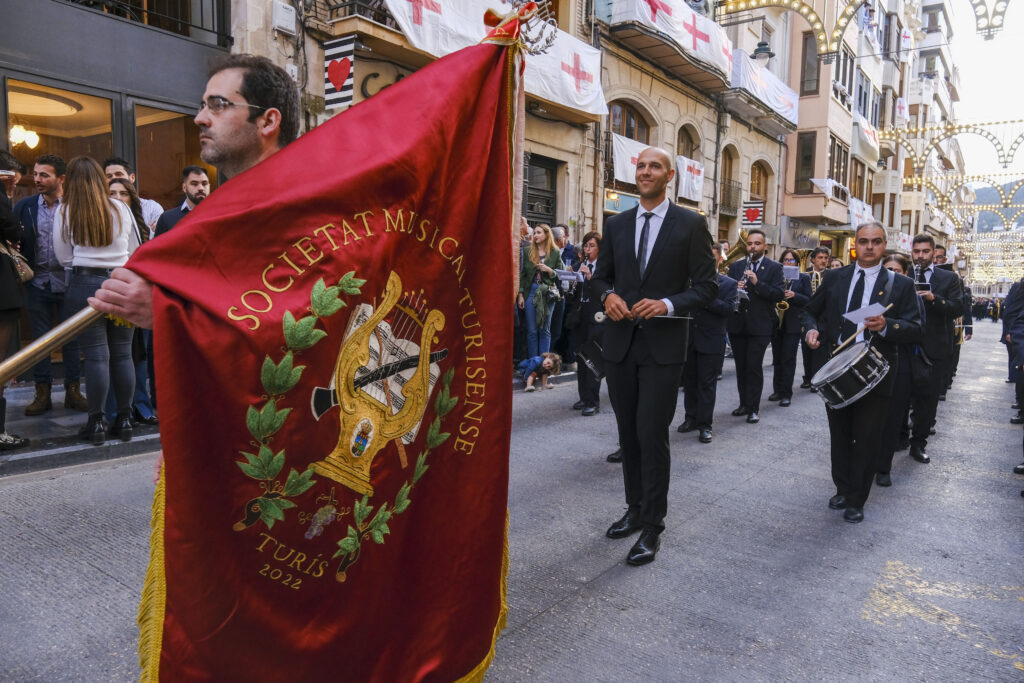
(477, 674)
(154, 593)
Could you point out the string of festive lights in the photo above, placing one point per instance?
(940, 127)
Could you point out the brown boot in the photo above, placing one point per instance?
(41, 403)
(73, 399)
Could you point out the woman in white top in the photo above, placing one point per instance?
(92, 235)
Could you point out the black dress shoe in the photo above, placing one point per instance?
(122, 428)
(785, 403)
(742, 410)
(687, 425)
(1017, 419)
(590, 410)
(942, 397)
(627, 526)
(95, 430)
(931, 432)
(774, 396)
(137, 418)
(805, 384)
(883, 479)
(753, 418)
(919, 455)
(853, 515)
(645, 548)
(705, 435)
(1015, 406)
(615, 457)
(837, 502)
(814, 390)
(1019, 469)
(579, 405)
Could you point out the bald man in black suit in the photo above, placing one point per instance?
(655, 265)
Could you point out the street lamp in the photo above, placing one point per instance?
(762, 53)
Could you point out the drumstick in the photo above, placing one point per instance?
(854, 335)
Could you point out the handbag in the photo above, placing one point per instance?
(24, 271)
(552, 294)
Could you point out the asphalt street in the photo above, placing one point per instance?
(756, 579)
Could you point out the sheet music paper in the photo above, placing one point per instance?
(569, 275)
(858, 316)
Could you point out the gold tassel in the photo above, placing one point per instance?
(154, 592)
(477, 674)
(120, 322)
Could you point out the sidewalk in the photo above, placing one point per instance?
(54, 438)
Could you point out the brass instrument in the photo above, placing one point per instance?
(958, 331)
(738, 251)
(782, 306)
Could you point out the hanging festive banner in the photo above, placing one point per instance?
(334, 369)
(691, 179)
(901, 113)
(569, 73)
(339, 68)
(697, 35)
(753, 214)
(624, 156)
(765, 86)
(868, 133)
(906, 44)
(860, 212)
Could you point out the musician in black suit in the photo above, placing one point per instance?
(655, 265)
(814, 358)
(705, 356)
(856, 430)
(750, 331)
(587, 303)
(942, 294)
(786, 339)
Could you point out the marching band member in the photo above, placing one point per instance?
(942, 294)
(750, 331)
(856, 430)
(786, 339)
(705, 356)
(814, 358)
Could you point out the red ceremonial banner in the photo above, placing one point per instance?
(333, 357)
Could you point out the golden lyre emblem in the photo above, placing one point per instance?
(382, 382)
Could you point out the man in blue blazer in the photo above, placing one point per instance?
(655, 265)
(750, 330)
(856, 430)
(706, 356)
(786, 340)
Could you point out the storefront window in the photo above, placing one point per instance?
(48, 120)
(166, 142)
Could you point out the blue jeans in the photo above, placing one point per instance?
(40, 304)
(107, 348)
(538, 332)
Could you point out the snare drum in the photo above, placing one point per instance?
(849, 375)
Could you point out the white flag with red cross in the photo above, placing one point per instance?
(569, 73)
(690, 176)
(625, 152)
(694, 33)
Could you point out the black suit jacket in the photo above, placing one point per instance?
(759, 316)
(939, 314)
(708, 332)
(168, 219)
(824, 312)
(1012, 307)
(27, 211)
(681, 269)
(792, 321)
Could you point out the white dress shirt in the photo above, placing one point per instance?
(870, 278)
(652, 236)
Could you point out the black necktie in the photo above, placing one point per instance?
(855, 299)
(642, 251)
(920, 275)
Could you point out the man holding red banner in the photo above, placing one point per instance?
(334, 377)
(655, 264)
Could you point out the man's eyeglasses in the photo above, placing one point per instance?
(216, 104)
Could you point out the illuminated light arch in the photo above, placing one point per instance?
(1008, 222)
(828, 40)
(961, 130)
(1010, 153)
(987, 25)
(1008, 197)
(1004, 199)
(906, 146)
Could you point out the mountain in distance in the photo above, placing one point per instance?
(989, 221)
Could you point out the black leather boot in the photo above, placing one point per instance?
(95, 430)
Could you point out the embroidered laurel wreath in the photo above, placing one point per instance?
(264, 419)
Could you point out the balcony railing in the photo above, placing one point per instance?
(730, 199)
(374, 10)
(208, 21)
